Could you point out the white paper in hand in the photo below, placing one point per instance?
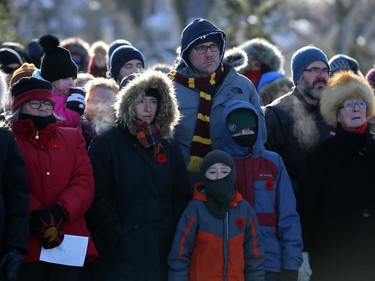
(72, 251)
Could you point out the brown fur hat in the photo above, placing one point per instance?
(343, 86)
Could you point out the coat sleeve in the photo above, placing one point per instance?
(182, 192)
(289, 226)
(102, 213)
(15, 196)
(253, 249)
(183, 244)
(79, 194)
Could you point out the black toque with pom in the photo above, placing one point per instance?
(57, 61)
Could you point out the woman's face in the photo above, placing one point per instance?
(217, 171)
(352, 114)
(38, 108)
(145, 109)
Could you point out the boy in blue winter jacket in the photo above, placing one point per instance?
(263, 181)
(217, 237)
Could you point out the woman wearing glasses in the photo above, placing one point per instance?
(60, 177)
(337, 191)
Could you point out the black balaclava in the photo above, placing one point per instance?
(220, 192)
(239, 119)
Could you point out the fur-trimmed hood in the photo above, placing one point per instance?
(269, 55)
(343, 86)
(167, 114)
(235, 57)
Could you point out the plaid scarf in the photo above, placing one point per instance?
(201, 142)
(148, 134)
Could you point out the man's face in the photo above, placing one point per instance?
(205, 62)
(313, 80)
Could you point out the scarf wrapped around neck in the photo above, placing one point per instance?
(148, 134)
(201, 142)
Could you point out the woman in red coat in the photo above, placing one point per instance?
(61, 183)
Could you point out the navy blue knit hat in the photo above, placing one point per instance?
(122, 55)
(57, 61)
(303, 57)
(197, 32)
(343, 62)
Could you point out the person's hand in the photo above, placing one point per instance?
(288, 275)
(47, 225)
(10, 264)
(76, 100)
(305, 272)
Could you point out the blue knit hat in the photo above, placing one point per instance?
(122, 55)
(197, 32)
(303, 57)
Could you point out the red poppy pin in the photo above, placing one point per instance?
(269, 185)
(161, 158)
(55, 144)
(239, 222)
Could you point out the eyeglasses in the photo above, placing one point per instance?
(36, 104)
(202, 49)
(349, 105)
(317, 70)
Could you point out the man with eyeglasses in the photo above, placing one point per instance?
(294, 123)
(204, 85)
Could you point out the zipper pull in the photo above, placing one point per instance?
(37, 135)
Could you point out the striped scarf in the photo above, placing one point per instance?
(201, 142)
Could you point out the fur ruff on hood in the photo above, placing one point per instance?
(167, 114)
(235, 57)
(343, 86)
(268, 55)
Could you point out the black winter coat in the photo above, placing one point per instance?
(337, 208)
(14, 197)
(294, 128)
(137, 205)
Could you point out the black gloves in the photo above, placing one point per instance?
(46, 224)
(288, 275)
(10, 264)
(76, 100)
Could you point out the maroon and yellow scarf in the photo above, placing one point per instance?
(201, 142)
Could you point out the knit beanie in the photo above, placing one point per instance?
(57, 61)
(30, 88)
(18, 48)
(9, 56)
(343, 62)
(303, 57)
(217, 156)
(117, 43)
(370, 77)
(122, 55)
(240, 119)
(197, 32)
(25, 70)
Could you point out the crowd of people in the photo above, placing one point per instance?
(216, 167)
